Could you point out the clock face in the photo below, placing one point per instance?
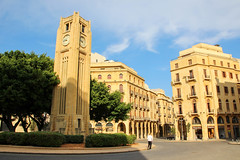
(66, 40)
(83, 42)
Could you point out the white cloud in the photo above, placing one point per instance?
(143, 22)
(116, 48)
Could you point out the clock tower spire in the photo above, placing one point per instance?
(70, 104)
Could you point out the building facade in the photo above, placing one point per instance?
(206, 93)
(70, 105)
(144, 115)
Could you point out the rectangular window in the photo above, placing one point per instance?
(214, 62)
(232, 90)
(228, 64)
(221, 63)
(230, 75)
(224, 74)
(177, 77)
(235, 67)
(206, 88)
(67, 27)
(176, 65)
(179, 93)
(83, 28)
(193, 93)
(238, 90)
(203, 61)
(237, 77)
(226, 90)
(216, 73)
(218, 89)
(191, 74)
(189, 62)
(205, 73)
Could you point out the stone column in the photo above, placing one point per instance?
(152, 127)
(145, 129)
(133, 128)
(141, 125)
(216, 134)
(137, 124)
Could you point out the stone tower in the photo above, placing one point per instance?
(70, 104)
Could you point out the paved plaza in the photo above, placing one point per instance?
(165, 150)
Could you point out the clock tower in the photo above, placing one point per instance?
(70, 104)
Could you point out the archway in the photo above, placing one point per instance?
(121, 128)
(221, 130)
(182, 129)
(210, 123)
(197, 127)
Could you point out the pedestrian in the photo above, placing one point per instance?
(150, 139)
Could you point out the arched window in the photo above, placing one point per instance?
(220, 120)
(227, 119)
(227, 105)
(180, 107)
(208, 105)
(121, 88)
(120, 76)
(196, 121)
(210, 120)
(98, 124)
(99, 76)
(220, 104)
(109, 76)
(235, 119)
(109, 87)
(194, 106)
(234, 105)
(109, 127)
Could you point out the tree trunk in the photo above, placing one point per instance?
(7, 119)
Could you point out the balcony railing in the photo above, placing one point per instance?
(179, 114)
(178, 97)
(211, 111)
(193, 95)
(207, 77)
(194, 112)
(176, 82)
(208, 94)
(190, 78)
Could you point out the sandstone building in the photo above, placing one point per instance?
(70, 105)
(206, 93)
(151, 109)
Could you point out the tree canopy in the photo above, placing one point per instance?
(26, 85)
(105, 105)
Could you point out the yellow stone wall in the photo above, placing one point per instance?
(144, 116)
(207, 63)
(70, 106)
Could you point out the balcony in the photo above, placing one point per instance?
(141, 107)
(211, 112)
(146, 118)
(179, 114)
(190, 79)
(159, 114)
(176, 82)
(178, 97)
(159, 106)
(194, 112)
(208, 94)
(207, 77)
(193, 95)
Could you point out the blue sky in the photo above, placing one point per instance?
(145, 35)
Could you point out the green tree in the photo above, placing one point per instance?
(105, 105)
(25, 88)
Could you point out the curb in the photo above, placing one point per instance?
(69, 151)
